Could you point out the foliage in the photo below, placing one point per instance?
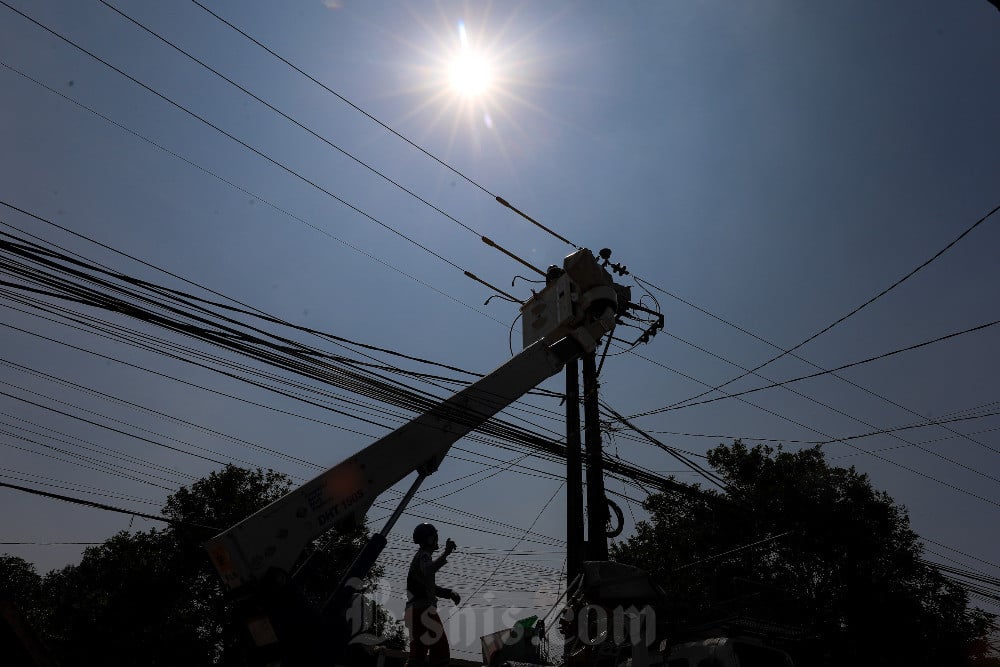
(19, 582)
(153, 598)
(847, 571)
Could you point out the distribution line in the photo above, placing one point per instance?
(233, 185)
(102, 466)
(253, 312)
(231, 438)
(516, 545)
(67, 439)
(892, 432)
(107, 508)
(12, 472)
(630, 473)
(921, 475)
(382, 124)
(733, 551)
(930, 441)
(156, 413)
(198, 333)
(853, 312)
(480, 517)
(257, 314)
(953, 487)
(967, 555)
(933, 422)
(76, 489)
(289, 118)
(256, 151)
(432, 501)
(821, 373)
(707, 474)
(119, 308)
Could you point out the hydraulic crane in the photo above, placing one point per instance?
(579, 305)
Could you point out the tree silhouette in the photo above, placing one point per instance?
(153, 598)
(831, 556)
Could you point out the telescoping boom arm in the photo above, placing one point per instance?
(566, 319)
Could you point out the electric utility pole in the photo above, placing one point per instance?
(597, 506)
(574, 474)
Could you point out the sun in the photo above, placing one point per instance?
(470, 72)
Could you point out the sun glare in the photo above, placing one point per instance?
(470, 74)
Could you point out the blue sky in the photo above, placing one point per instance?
(774, 163)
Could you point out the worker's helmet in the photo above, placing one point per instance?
(422, 532)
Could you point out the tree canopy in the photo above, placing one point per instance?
(831, 556)
(153, 598)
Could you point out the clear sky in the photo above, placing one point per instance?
(774, 163)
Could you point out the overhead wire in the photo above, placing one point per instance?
(793, 348)
(227, 319)
(344, 99)
(630, 473)
(219, 129)
(516, 544)
(5, 3)
(18, 475)
(215, 339)
(892, 432)
(809, 376)
(239, 188)
(434, 501)
(791, 352)
(832, 438)
(289, 118)
(107, 508)
(86, 445)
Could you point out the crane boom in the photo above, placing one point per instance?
(275, 536)
(578, 306)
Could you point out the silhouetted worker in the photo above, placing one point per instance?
(428, 642)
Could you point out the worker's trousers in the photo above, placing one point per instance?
(428, 642)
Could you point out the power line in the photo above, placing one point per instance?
(707, 474)
(289, 118)
(932, 422)
(891, 432)
(225, 341)
(516, 544)
(962, 553)
(354, 106)
(87, 445)
(733, 551)
(173, 294)
(256, 151)
(773, 385)
(433, 501)
(463, 512)
(836, 322)
(239, 188)
(107, 508)
(953, 487)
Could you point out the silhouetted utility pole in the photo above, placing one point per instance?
(597, 506)
(574, 474)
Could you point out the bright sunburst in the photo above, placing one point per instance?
(472, 79)
(470, 75)
(469, 72)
